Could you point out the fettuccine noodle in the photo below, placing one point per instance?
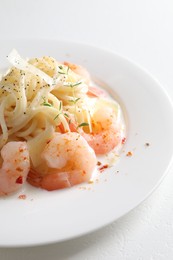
(31, 96)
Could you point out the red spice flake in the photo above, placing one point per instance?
(123, 140)
(103, 167)
(19, 180)
(19, 169)
(21, 150)
(68, 150)
(48, 141)
(99, 163)
(129, 154)
(83, 173)
(22, 197)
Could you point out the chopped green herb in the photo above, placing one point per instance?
(62, 70)
(74, 100)
(47, 104)
(60, 105)
(66, 115)
(77, 83)
(83, 124)
(68, 69)
(57, 116)
(72, 85)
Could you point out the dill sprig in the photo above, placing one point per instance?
(72, 85)
(47, 104)
(60, 111)
(66, 115)
(83, 124)
(60, 105)
(63, 70)
(57, 116)
(74, 100)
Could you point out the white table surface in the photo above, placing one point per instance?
(143, 31)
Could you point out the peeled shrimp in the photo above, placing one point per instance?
(81, 71)
(68, 159)
(106, 130)
(96, 92)
(15, 167)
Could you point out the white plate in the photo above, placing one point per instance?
(46, 217)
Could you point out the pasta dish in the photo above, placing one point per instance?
(54, 122)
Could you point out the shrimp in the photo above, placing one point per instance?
(106, 126)
(81, 71)
(106, 130)
(94, 91)
(68, 160)
(15, 166)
